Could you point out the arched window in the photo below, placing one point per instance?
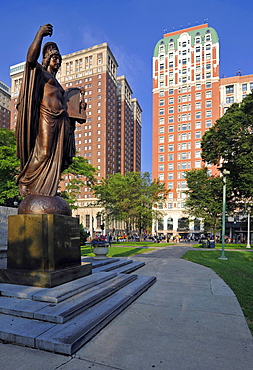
(183, 224)
(170, 223)
(160, 224)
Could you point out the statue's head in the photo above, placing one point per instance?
(50, 49)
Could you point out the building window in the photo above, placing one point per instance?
(171, 110)
(161, 176)
(161, 167)
(229, 99)
(161, 139)
(171, 147)
(208, 123)
(161, 93)
(171, 119)
(208, 94)
(208, 103)
(197, 77)
(198, 124)
(170, 166)
(171, 138)
(170, 157)
(161, 158)
(198, 135)
(198, 115)
(198, 86)
(244, 87)
(197, 164)
(171, 129)
(208, 113)
(198, 105)
(161, 111)
(198, 96)
(197, 154)
(171, 91)
(230, 89)
(208, 85)
(161, 148)
(170, 185)
(161, 102)
(171, 100)
(161, 130)
(170, 176)
(197, 144)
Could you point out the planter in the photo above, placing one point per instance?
(100, 251)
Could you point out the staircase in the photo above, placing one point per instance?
(64, 318)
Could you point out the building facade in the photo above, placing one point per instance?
(185, 104)
(110, 139)
(5, 105)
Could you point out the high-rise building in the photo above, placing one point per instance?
(188, 97)
(5, 103)
(185, 105)
(110, 139)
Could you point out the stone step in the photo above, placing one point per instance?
(67, 338)
(56, 294)
(126, 269)
(112, 266)
(65, 310)
(72, 307)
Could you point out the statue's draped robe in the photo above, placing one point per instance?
(45, 138)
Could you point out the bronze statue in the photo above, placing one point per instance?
(45, 130)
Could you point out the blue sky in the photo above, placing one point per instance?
(131, 28)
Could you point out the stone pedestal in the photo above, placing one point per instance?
(43, 250)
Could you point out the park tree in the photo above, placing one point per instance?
(129, 198)
(229, 144)
(9, 168)
(84, 173)
(204, 197)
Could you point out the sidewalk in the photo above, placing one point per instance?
(189, 319)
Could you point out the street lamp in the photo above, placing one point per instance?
(225, 172)
(248, 236)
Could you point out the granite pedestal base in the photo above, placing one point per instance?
(43, 250)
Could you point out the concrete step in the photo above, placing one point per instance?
(112, 266)
(72, 307)
(67, 338)
(133, 266)
(67, 309)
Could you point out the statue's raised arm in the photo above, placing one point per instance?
(34, 50)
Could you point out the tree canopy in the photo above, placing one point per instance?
(9, 168)
(229, 143)
(204, 196)
(129, 198)
(80, 167)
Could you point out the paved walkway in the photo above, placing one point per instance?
(189, 319)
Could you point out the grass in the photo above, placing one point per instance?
(116, 251)
(141, 244)
(226, 246)
(237, 272)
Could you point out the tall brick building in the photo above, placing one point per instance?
(188, 97)
(5, 103)
(111, 137)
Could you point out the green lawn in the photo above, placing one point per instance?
(237, 272)
(116, 251)
(226, 246)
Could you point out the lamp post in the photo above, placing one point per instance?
(248, 231)
(225, 172)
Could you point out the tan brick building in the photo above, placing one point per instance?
(5, 104)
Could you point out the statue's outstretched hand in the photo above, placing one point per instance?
(46, 30)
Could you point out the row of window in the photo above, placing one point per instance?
(230, 88)
(187, 107)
